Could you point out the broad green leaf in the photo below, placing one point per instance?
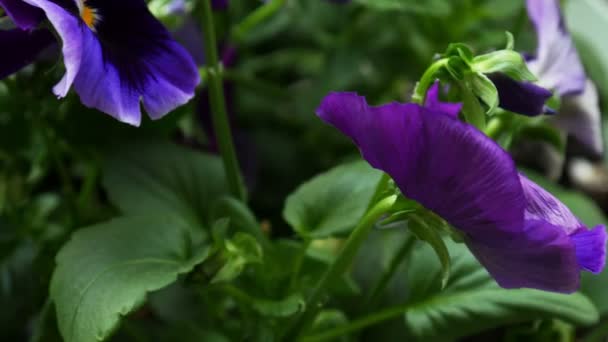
(333, 202)
(105, 271)
(470, 303)
(429, 7)
(160, 177)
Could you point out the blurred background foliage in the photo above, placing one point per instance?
(54, 154)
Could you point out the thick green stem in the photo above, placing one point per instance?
(380, 188)
(218, 105)
(427, 80)
(359, 324)
(339, 266)
(256, 17)
(379, 287)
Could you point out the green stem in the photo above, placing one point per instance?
(427, 80)
(298, 264)
(358, 324)
(380, 188)
(218, 105)
(256, 17)
(379, 287)
(339, 266)
(494, 127)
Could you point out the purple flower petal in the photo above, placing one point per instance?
(543, 257)
(542, 206)
(432, 101)
(520, 97)
(127, 56)
(591, 248)
(424, 152)
(25, 16)
(581, 117)
(523, 235)
(24, 47)
(557, 64)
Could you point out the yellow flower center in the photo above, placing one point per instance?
(88, 14)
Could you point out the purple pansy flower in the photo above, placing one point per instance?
(116, 55)
(523, 235)
(520, 97)
(558, 67)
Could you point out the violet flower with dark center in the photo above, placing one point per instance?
(519, 232)
(116, 55)
(558, 67)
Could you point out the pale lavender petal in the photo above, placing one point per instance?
(432, 101)
(71, 31)
(25, 16)
(543, 206)
(557, 64)
(580, 116)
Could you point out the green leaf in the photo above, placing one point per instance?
(508, 62)
(484, 89)
(431, 235)
(333, 202)
(472, 110)
(160, 177)
(473, 302)
(105, 271)
(241, 217)
(429, 7)
(240, 251)
(460, 50)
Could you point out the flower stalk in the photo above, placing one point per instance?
(339, 266)
(218, 105)
(427, 80)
